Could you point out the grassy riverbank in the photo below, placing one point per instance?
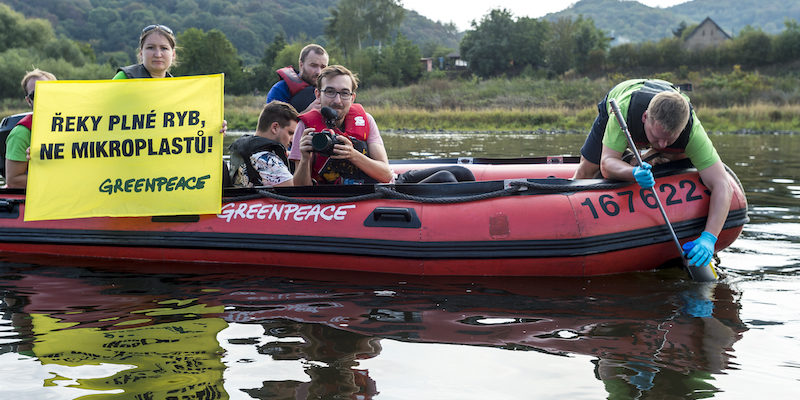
(725, 102)
(734, 101)
(759, 117)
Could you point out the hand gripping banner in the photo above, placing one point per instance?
(127, 147)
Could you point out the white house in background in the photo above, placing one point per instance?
(707, 34)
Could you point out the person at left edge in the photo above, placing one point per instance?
(19, 139)
(156, 55)
(260, 159)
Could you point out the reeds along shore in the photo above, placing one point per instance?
(242, 113)
(735, 101)
(746, 118)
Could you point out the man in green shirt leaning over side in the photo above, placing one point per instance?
(658, 116)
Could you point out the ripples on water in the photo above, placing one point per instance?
(154, 331)
(80, 330)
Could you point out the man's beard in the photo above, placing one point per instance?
(311, 80)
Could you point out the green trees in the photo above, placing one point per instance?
(17, 32)
(488, 46)
(786, 46)
(395, 64)
(366, 33)
(264, 71)
(210, 52)
(26, 44)
(354, 22)
(751, 48)
(498, 44)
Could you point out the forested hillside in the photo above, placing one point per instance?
(248, 40)
(734, 15)
(630, 21)
(112, 26)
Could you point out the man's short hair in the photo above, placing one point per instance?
(317, 49)
(37, 74)
(670, 109)
(336, 70)
(276, 111)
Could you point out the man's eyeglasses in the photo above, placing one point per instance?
(331, 93)
(164, 28)
(30, 96)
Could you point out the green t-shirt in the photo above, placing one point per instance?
(18, 141)
(700, 150)
(120, 75)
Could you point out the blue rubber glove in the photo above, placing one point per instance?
(700, 251)
(643, 176)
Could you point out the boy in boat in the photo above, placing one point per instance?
(658, 116)
(19, 139)
(260, 160)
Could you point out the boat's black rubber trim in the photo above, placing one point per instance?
(371, 247)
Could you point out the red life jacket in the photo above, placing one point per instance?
(356, 128)
(26, 121)
(292, 79)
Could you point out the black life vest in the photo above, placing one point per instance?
(244, 147)
(640, 100)
(137, 71)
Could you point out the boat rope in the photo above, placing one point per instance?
(556, 187)
(388, 192)
(392, 194)
(265, 193)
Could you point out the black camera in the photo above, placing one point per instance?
(323, 142)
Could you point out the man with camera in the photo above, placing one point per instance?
(343, 145)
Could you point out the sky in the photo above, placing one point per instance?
(462, 12)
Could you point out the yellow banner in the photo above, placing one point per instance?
(127, 147)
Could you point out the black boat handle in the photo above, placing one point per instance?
(393, 217)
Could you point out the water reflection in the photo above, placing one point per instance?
(115, 335)
(189, 335)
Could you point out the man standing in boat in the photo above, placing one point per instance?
(358, 155)
(260, 159)
(658, 116)
(297, 87)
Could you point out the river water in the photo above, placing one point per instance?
(148, 331)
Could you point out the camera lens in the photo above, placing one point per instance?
(322, 142)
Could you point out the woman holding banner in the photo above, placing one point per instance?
(156, 54)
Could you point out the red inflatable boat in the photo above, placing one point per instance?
(521, 217)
